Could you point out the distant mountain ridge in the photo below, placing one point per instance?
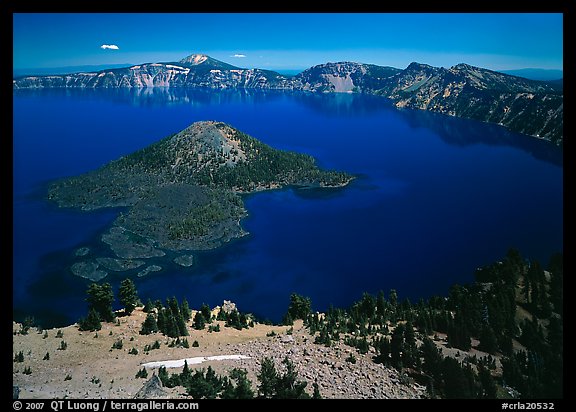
(530, 107)
(536, 74)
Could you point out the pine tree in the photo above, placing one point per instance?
(142, 373)
(393, 298)
(458, 334)
(243, 389)
(526, 289)
(213, 379)
(100, 298)
(381, 305)
(149, 326)
(456, 385)
(233, 320)
(367, 307)
(316, 394)
(288, 387)
(432, 358)
(556, 268)
(199, 321)
(222, 315)
(148, 306)
(227, 389)
(174, 306)
(163, 375)
(198, 386)
(382, 346)
(488, 340)
(26, 325)
(19, 357)
(171, 325)
(515, 264)
(410, 355)
(181, 324)
(128, 296)
(243, 320)
(362, 345)
(555, 335)
(206, 312)
(162, 320)
(488, 386)
(91, 322)
(287, 319)
(300, 306)
(185, 376)
(185, 310)
(268, 378)
(397, 346)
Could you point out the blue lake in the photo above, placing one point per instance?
(435, 198)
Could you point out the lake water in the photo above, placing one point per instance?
(435, 198)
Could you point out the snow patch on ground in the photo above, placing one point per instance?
(192, 361)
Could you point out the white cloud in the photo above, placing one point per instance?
(238, 55)
(109, 46)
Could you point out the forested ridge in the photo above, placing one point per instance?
(513, 310)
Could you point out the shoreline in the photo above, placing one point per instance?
(126, 245)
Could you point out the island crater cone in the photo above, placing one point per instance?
(183, 193)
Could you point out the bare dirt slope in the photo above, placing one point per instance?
(90, 368)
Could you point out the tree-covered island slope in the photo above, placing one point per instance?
(184, 191)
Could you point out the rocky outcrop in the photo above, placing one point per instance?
(328, 367)
(527, 106)
(153, 388)
(344, 77)
(228, 306)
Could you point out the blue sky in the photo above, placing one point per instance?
(291, 41)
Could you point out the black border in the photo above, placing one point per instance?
(567, 7)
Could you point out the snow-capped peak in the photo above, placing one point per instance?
(194, 59)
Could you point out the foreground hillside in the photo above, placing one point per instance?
(501, 337)
(89, 368)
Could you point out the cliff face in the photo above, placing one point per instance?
(162, 75)
(344, 77)
(527, 106)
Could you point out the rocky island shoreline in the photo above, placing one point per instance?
(182, 194)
